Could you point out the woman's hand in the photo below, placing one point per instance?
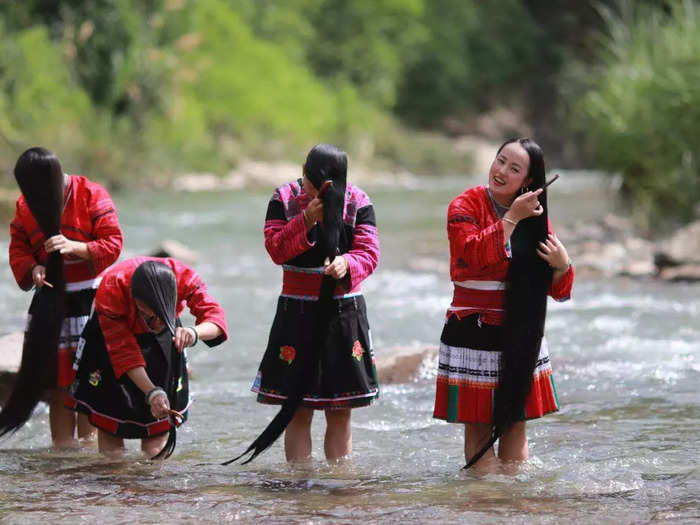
(160, 406)
(66, 247)
(184, 337)
(338, 268)
(554, 253)
(38, 275)
(525, 205)
(313, 212)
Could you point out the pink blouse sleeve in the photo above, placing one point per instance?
(285, 238)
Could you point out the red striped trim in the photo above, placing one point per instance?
(475, 403)
(304, 284)
(105, 423)
(65, 373)
(486, 299)
(158, 427)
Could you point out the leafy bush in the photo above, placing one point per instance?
(641, 111)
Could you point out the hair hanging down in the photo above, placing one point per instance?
(326, 167)
(154, 283)
(528, 278)
(40, 178)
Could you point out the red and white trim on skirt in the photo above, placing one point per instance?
(467, 380)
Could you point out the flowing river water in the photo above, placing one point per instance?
(626, 357)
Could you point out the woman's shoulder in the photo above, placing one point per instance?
(357, 196)
(288, 191)
(469, 197)
(95, 189)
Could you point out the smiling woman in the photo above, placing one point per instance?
(494, 370)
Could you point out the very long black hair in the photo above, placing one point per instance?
(155, 284)
(40, 178)
(326, 167)
(528, 281)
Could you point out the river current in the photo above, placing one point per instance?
(626, 356)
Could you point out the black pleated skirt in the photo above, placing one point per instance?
(346, 377)
(118, 406)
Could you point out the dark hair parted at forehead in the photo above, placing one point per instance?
(536, 170)
(40, 178)
(326, 162)
(154, 283)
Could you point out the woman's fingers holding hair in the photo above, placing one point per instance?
(543, 255)
(183, 338)
(160, 406)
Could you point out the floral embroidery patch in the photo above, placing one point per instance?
(95, 377)
(288, 353)
(357, 351)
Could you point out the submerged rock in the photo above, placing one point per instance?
(678, 259)
(684, 272)
(405, 365)
(11, 351)
(10, 359)
(176, 250)
(682, 248)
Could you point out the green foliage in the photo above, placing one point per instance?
(476, 52)
(127, 88)
(39, 101)
(641, 111)
(362, 42)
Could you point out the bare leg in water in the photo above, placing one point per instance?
(338, 441)
(476, 435)
(62, 421)
(86, 432)
(513, 448)
(297, 436)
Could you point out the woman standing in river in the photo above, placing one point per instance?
(65, 233)
(494, 370)
(319, 356)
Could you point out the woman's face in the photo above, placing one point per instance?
(153, 322)
(508, 172)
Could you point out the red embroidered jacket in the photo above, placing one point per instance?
(479, 258)
(120, 321)
(89, 216)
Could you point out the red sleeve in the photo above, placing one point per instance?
(363, 256)
(107, 246)
(20, 253)
(475, 245)
(203, 307)
(122, 348)
(561, 291)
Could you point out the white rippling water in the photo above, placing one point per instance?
(626, 356)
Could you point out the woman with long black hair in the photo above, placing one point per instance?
(494, 371)
(319, 356)
(64, 234)
(131, 377)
